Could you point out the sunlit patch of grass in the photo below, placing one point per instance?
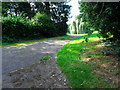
(77, 34)
(21, 44)
(81, 62)
(24, 42)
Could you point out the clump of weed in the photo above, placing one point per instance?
(46, 58)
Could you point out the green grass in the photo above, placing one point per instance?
(46, 58)
(24, 42)
(75, 60)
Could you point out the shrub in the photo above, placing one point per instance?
(46, 24)
(20, 27)
(14, 27)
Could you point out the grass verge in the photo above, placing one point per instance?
(24, 42)
(85, 66)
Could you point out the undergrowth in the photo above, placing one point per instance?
(85, 66)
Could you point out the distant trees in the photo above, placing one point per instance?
(74, 27)
(78, 26)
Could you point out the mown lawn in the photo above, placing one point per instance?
(85, 66)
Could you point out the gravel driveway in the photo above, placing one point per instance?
(21, 67)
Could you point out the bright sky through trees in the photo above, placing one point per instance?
(74, 9)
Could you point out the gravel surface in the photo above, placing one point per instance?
(22, 66)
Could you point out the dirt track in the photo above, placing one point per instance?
(22, 67)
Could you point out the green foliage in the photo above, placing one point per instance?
(104, 52)
(113, 48)
(17, 8)
(79, 27)
(72, 59)
(46, 57)
(14, 27)
(28, 41)
(30, 24)
(45, 22)
(104, 18)
(74, 27)
(18, 27)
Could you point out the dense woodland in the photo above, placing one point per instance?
(102, 17)
(25, 20)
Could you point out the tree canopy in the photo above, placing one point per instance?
(34, 19)
(102, 17)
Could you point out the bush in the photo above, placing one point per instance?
(14, 27)
(19, 27)
(8, 39)
(46, 24)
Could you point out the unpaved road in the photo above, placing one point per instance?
(21, 66)
(16, 57)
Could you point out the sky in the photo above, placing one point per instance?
(74, 10)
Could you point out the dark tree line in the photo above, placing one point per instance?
(43, 19)
(58, 10)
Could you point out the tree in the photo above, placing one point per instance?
(59, 13)
(16, 8)
(74, 27)
(52, 22)
(103, 17)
